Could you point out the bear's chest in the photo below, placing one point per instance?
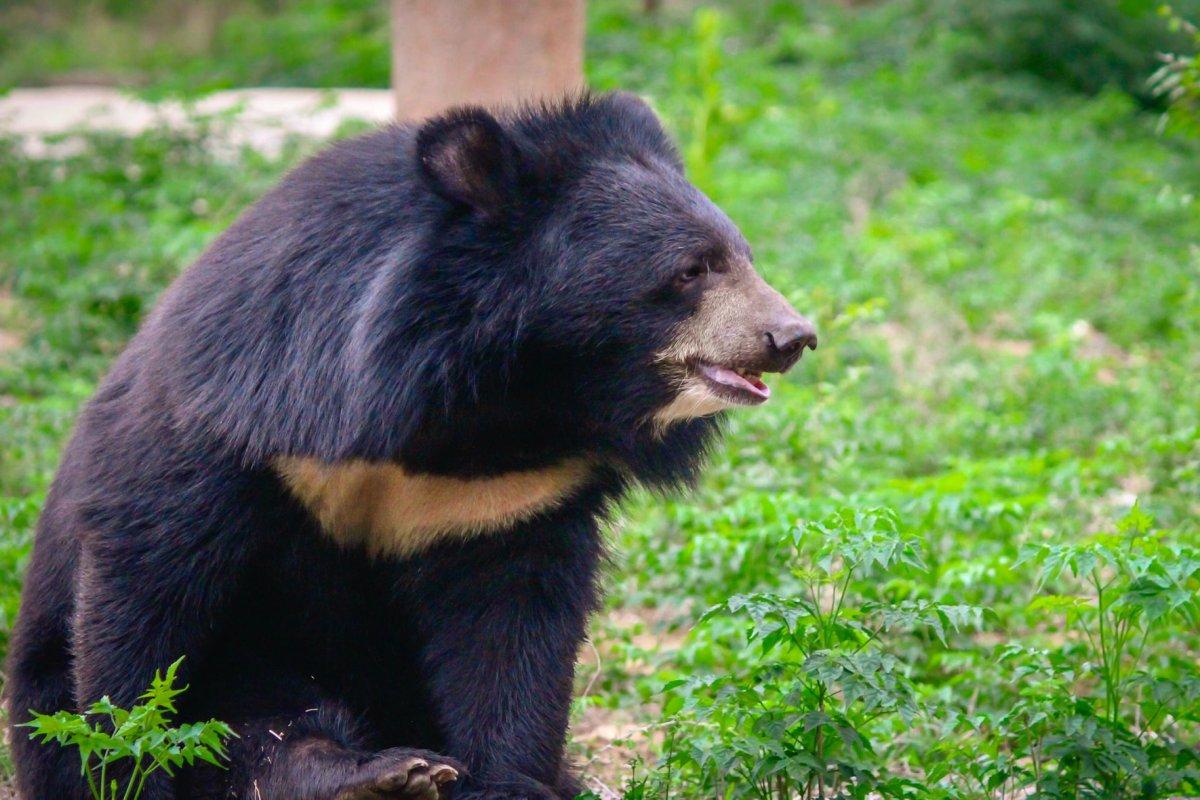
(389, 511)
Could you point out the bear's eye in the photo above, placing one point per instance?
(692, 272)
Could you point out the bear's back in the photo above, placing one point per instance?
(257, 342)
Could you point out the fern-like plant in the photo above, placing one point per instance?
(105, 734)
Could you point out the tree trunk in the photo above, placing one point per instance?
(450, 52)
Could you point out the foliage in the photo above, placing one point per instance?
(818, 695)
(106, 736)
(1095, 717)
(1006, 281)
(177, 47)
(798, 720)
(713, 119)
(185, 48)
(1177, 81)
(1080, 45)
(1094, 726)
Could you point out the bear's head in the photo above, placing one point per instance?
(610, 302)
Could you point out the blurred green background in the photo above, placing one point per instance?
(193, 47)
(958, 555)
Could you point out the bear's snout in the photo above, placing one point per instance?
(786, 339)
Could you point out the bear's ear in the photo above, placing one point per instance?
(633, 108)
(640, 120)
(467, 158)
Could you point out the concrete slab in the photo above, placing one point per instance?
(260, 118)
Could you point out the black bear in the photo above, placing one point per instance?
(354, 464)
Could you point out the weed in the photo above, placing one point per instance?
(107, 737)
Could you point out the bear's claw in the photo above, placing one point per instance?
(402, 775)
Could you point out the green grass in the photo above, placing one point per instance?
(179, 47)
(1006, 279)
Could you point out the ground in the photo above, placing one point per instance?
(262, 119)
(936, 535)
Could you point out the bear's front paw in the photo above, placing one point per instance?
(402, 774)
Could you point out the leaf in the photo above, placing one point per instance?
(1136, 522)
(142, 732)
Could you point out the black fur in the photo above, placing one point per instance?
(475, 296)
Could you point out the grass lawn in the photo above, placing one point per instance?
(957, 555)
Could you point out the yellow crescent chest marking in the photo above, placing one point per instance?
(390, 511)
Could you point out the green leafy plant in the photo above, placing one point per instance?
(713, 116)
(106, 735)
(1131, 585)
(798, 720)
(1177, 81)
(1092, 716)
(1080, 45)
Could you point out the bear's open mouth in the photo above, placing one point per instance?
(735, 384)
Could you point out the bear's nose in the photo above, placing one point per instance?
(787, 339)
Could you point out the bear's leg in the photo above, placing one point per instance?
(319, 756)
(161, 558)
(297, 739)
(39, 663)
(503, 618)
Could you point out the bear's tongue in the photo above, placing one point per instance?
(735, 380)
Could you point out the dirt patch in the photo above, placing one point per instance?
(1019, 348)
(1095, 346)
(652, 629)
(608, 740)
(867, 190)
